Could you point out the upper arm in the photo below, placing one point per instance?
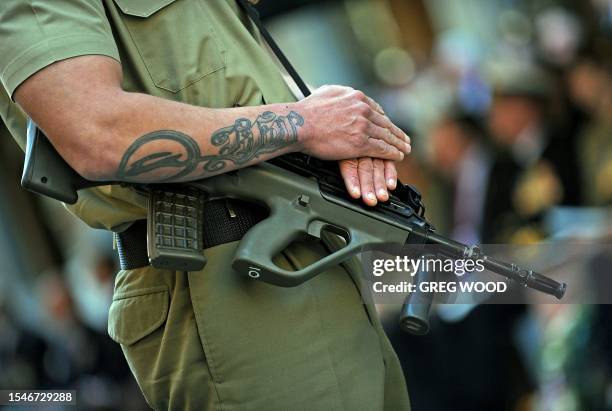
(65, 96)
(36, 34)
(58, 59)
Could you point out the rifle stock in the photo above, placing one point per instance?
(46, 172)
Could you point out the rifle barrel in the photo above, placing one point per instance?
(527, 278)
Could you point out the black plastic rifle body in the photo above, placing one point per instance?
(305, 197)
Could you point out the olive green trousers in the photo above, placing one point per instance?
(216, 340)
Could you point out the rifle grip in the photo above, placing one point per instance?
(286, 223)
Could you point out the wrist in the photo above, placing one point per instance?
(304, 132)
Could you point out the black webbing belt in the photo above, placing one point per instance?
(225, 220)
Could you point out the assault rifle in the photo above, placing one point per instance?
(305, 197)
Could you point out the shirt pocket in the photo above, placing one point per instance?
(175, 39)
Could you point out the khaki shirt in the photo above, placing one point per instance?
(202, 52)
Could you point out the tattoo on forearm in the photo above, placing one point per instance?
(238, 144)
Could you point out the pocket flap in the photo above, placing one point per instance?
(140, 8)
(134, 315)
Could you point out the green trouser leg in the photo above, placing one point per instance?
(215, 340)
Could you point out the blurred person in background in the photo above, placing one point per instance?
(490, 369)
(21, 353)
(533, 169)
(590, 85)
(575, 366)
(78, 356)
(462, 160)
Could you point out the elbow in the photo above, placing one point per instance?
(94, 139)
(93, 167)
(89, 150)
(94, 158)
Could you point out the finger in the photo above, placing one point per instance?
(366, 180)
(374, 105)
(379, 180)
(380, 149)
(348, 169)
(386, 135)
(390, 174)
(383, 121)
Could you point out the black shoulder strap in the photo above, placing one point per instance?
(254, 15)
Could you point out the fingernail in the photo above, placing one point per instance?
(408, 147)
(371, 196)
(391, 182)
(355, 191)
(382, 193)
(401, 156)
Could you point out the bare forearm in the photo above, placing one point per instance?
(106, 133)
(150, 139)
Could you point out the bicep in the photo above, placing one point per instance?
(68, 91)
(53, 53)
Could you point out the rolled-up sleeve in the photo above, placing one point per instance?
(37, 33)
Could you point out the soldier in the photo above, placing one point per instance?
(178, 90)
(535, 167)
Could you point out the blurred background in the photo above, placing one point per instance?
(509, 106)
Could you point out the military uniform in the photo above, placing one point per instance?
(208, 340)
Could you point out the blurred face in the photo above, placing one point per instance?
(56, 297)
(448, 145)
(509, 116)
(586, 82)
